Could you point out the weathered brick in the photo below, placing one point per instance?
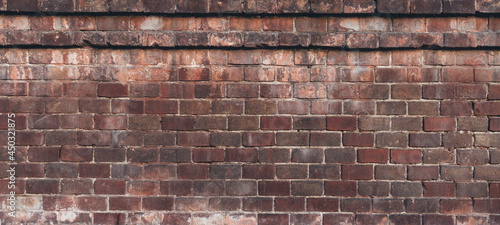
(340, 188)
(340, 155)
(439, 189)
(406, 189)
(422, 206)
(291, 171)
(292, 139)
(373, 123)
(392, 140)
(374, 189)
(456, 173)
(274, 155)
(355, 205)
(358, 139)
(309, 123)
(357, 172)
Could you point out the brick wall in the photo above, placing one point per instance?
(251, 111)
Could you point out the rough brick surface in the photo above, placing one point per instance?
(251, 111)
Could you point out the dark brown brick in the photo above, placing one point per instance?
(355, 205)
(291, 171)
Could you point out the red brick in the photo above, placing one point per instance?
(244, 57)
(360, 107)
(195, 107)
(309, 91)
(439, 124)
(374, 123)
(307, 24)
(390, 172)
(246, 24)
(343, 91)
(91, 203)
(439, 189)
(355, 205)
(258, 172)
(30, 170)
(17, 89)
(309, 123)
(112, 90)
(186, 171)
(243, 123)
(141, 188)
(293, 74)
(179, 188)
(453, 206)
(274, 155)
(270, 219)
(260, 107)
(43, 122)
(142, 155)
(193, 139)
(494, 91)
(194, 74)
(383, 75)
(423, 173)
(374, 91)
(406, 156)
(274, 188)
(362, 40)
(301, 6)
(43, 154)
(227, 107)
(127, 106)
(425, 140)
(94, 138)
(359, 6)
(457, 140)
(75, 154)
(109, 187)
(125, 203)
(358, 139)
(290, 204)
(94, 170)
(325, 74)
(458, 74)
(110, 122)
(275, 123)
(292, 139)
(242, 91)
(258, 139)
(208, 155)
(486, 108)
(42, 186)
(260, 74)
(161, 107)
(357, 172)
(177, 90)
(373, 155)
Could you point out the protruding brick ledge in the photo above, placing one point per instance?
(254, 6)
(241, 32)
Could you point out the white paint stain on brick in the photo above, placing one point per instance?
(152, 23)
(29, 203)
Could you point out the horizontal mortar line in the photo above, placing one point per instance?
(431, 47)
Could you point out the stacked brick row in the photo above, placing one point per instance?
(254, 6)
(254, 32)
(251, 112)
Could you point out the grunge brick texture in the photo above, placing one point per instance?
(252, 111)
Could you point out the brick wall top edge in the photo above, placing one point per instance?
(254, 6)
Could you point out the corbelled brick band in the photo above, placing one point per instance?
(251, 111)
